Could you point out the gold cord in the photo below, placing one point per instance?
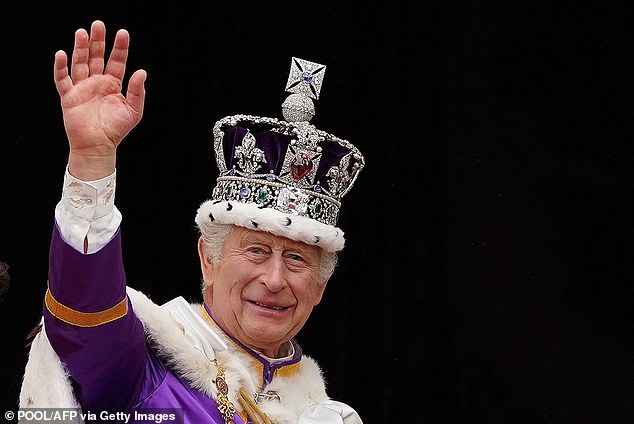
(252, 409)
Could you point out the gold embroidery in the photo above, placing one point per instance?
(288, 371)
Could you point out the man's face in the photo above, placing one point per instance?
(264, 288)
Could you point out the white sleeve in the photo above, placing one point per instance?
(86, 213)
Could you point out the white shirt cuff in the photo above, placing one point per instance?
(87, 212)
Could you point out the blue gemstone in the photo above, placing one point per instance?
(307, 77)
(244, 192)
(317, 189)
(232, 172)
(270, 177)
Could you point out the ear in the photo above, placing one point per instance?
(319, 291)
(206, 265)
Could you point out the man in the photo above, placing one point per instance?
(267, 248)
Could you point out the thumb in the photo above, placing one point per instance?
(136, 91)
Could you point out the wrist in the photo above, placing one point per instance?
(90, 167)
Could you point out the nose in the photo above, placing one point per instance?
(274, 276)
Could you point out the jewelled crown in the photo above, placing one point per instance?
(283, 176)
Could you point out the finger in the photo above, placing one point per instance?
(136, 91)
(79, 62)
(96, 48)
(119, 55)
(63, 83)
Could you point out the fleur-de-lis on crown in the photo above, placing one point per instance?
(249, 156)
(339, 175)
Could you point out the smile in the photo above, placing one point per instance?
(274, 307)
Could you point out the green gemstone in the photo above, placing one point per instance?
(263, 195)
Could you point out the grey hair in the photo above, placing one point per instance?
(215, 234)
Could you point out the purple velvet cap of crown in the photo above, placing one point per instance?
(275, 145)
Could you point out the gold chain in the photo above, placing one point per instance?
(225, 407)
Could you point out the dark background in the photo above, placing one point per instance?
(488, 271)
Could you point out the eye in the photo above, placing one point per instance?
(295, 257)
(256, 252)
(299, 262)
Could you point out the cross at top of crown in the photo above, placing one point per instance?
(305, 78)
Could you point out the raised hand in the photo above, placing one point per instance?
(97, 116)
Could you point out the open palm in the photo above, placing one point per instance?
(97, 116)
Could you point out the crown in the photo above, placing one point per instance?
(283, 176)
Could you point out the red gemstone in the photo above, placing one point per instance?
(300, 171)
